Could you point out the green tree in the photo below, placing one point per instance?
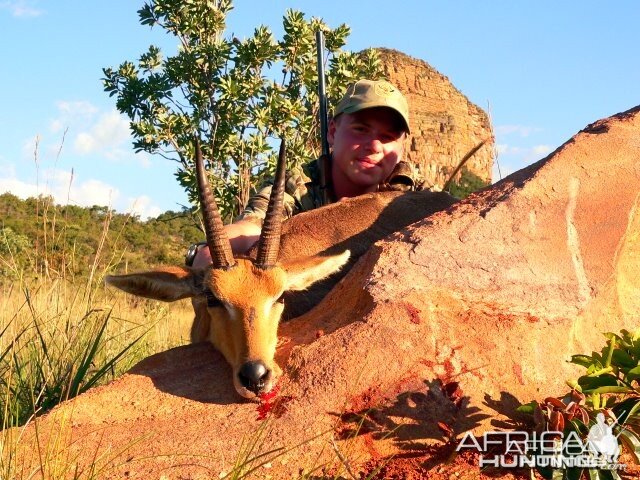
(224, 91)
(14, 251)
(63, 242)
(468, 183)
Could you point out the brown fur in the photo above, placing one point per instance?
(353, 224)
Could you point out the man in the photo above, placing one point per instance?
(367, 136)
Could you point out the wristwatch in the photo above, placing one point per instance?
(191, 253)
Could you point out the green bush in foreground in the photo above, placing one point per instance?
(609, 387)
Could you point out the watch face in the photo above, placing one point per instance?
(191, 255)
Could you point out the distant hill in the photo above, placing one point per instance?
(38, 237)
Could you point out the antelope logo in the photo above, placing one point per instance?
(243, 295)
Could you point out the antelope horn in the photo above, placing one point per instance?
(219, 245)
(269, 243)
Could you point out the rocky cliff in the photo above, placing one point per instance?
(445, 124)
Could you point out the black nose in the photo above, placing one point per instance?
(254, 376)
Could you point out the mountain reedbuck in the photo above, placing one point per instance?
(239, 300)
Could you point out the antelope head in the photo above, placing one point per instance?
(243, 295)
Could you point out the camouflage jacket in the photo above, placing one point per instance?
(302, 190)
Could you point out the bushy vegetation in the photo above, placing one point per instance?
(236, 97)
(468, 183)
(61, 331)
(609, 387)
(38, 238)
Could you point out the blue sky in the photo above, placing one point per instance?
(544, 69)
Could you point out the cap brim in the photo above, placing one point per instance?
(367, 105)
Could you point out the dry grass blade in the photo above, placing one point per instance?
(462, 162)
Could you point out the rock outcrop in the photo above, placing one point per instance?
(445, 124)
(496, 293)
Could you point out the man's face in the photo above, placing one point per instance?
(367, 145)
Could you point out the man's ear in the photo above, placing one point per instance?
(331, 131)
(302, 273)
(168, 284)
(405, 144)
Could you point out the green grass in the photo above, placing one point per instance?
(62, 333)
(57, 340)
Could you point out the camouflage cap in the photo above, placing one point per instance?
(373, 93)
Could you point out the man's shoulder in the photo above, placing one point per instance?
(303, 184)
(307, 173)
(301, 192)
(403, 177)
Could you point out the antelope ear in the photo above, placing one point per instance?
(302, 273)
(168, 284)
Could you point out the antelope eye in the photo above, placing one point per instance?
(212, 300)
(280, 299)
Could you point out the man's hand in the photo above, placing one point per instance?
(242, 235)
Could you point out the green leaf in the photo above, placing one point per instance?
(601, 371)
(574, 385)
(626, 409)
(589, 382)
(620, 358)
(527, 408)
(610, 389)
(582, 360)
(633, 374)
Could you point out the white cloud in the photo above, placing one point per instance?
(504, 149)
(84, 143)
(92, 132)
(17, 187)
(65, 189)
(34, 150)
(524, 155)
(93, 192)
(108, 136)
(76, 107)
(521, 130)
(61, 185)
(72, 113)
(143, 207)
(56, 125)
(511, 158)
(30, 146)
(541, 150)
(21, 8)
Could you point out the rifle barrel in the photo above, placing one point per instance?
(324, 165)
(322, 93)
